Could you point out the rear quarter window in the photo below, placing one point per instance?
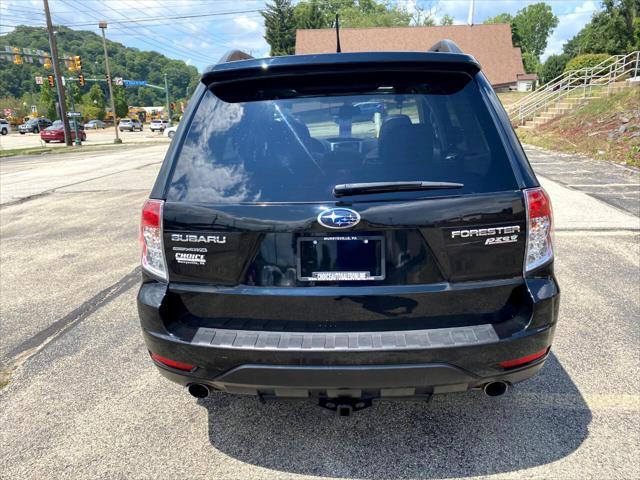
(435, 128)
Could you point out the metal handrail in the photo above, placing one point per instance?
(601, 75)
(581, 82)
(552, 84)
(563, 79)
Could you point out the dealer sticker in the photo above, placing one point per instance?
(191, 258)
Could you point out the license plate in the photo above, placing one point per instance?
(341, 258)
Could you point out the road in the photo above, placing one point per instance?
(84, 401)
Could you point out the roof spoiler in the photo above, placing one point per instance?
(335, 63)
(445, 46)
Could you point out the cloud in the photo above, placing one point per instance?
(568, 26)
(246, 24)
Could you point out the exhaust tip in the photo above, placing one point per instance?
(495, 389)
(198, 390)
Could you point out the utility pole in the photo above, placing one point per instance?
(53, 46)
(102, 26)
(166, 95)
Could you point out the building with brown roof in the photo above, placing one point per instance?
(489, 44)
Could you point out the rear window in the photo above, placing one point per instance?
(294, 145)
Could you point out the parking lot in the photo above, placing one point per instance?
(94, 137)
(84, 401)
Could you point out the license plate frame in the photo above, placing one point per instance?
(376, 274)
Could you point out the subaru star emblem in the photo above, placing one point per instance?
(338, 218)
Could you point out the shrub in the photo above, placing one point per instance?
(586, 60)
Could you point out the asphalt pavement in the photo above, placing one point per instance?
(84, 401)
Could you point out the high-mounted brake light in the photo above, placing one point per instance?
(172, 363)
(516, 362)
(152, 257)
(539, 228)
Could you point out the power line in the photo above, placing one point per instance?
(156, 45)
(149, 19)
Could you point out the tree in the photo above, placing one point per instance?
(614, 30)
(18, 80)
(446, 20)
(73, 93)
(531, 62)
(533, 25)
(505, 18)
(370, 13)
(552, 67)
(96, 95)
(93, 103)
(311, 15)
(500, 18)
(120, 100)
(280, 27)
(48, 99)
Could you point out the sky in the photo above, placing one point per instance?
(212, 27)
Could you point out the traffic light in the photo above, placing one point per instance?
(17, 58)
(51, 80)
(106, 76)
(81, 79)
(172, 106)
(77, 62)
(47, 63)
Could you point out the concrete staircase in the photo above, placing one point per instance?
(575, 88)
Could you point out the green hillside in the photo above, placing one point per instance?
(129, 63)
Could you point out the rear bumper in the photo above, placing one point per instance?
(374, 364)
(372, 381)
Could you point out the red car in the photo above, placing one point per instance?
(55, 133)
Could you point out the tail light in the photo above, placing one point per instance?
(186, 367)
(539, 228)
(516, 362)
(152, 257)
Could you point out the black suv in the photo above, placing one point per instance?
(35, 125)
(294, 246)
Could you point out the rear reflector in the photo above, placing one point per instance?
(539, 228)
(152, 257)
(524, 360)
(172, 363)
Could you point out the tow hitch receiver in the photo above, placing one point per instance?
(343, 406)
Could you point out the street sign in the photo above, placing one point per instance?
(135, 83)
(34, 109)
(39, 81)
(74, 114)
(119, 81)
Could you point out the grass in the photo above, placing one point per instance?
(508, 98)
(607, 128)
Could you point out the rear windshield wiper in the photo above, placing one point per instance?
(346, 189)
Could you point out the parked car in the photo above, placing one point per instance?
(35, 125)
(55, 133)
(171, 131)
(4, 126)
(129, 124)
(72, 123)
(158, 125)
(286, 256)
(95, 124)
